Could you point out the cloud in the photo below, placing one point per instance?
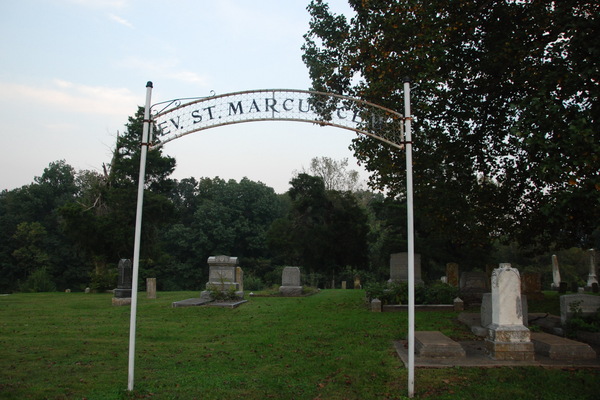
(73, 97)
(165, 68)
(120, 20)
(118, 4)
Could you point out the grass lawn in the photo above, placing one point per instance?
(326, 346)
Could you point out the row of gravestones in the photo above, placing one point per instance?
(224, 275)
(473, 284)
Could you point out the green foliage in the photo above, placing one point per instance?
(506, 136)
(38, 281)
(252, 282)
(579, 322)
(103, 279)
(397, 293)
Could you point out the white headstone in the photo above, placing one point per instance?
(508, 338)
(555, 272)
(592, 275)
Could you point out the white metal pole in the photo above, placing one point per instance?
(138, 234)
(411, 241)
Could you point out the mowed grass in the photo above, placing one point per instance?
(326, 346)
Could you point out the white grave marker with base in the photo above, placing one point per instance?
(508, 338)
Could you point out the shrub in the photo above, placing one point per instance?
(253, 283)
(397, 293)
(38, 281)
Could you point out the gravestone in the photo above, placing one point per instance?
(508, 338)
(357, 283)
(555, 273)
(486, 310)
(587, 304)
(291, 284)
(224, 275)
(399, 268)
(151, 288)
(531, 285)
(472, 286)
(344, 285)
(592, 274)
(122, 293)
(452, 276)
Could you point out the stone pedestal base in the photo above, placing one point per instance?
(121, 301)
(509, 342)
(290, 291)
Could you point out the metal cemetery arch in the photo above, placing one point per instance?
(177, 118)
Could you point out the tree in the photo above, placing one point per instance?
(506, 140)
(101, 220)
(324, 231)
(334, 174)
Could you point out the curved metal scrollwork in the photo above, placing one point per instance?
(180, 117)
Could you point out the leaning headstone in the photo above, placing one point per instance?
(291, 284)
(592, 274)
(122, 295)
(508, 338)
(399, 268)
(452, 276)
(151, 288)
(586, 304)
(555, 273)
(472, 286)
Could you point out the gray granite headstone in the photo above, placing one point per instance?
(291, 282)
(123, 289)
(587, 304)
(399, 268)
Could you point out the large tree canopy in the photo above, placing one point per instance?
(506, 106)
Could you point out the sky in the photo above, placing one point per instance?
(73, 71)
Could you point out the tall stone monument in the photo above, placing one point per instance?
(290, 282)
(592, 278)
(399, 268)
(555, 273)
(225, 275)
(508, 338)
(123, 291)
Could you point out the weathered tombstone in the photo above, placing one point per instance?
(531, 285)
(562, 289)
(344, 285)
(224, 275)
(486, 310)
(459, 305)
(88, 290)
(123, 291)
(586, 304)
(555, 273)
(508, 338)
(452, 276)
(376, 305)
(592, 274)
(291, 282)
(399, 268)
(357, 283)
(472, 286)
(151, 288)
